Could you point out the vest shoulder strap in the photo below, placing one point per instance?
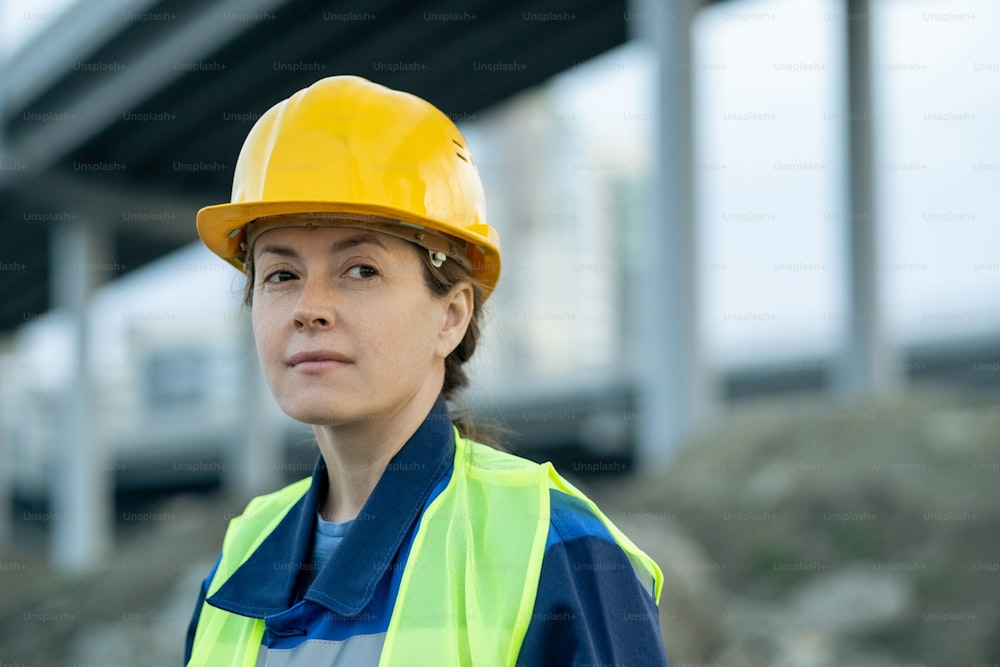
(224, 638)
(468, 589)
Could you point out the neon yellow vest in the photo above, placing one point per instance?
(468, 590)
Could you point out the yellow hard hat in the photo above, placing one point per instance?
(345, 145)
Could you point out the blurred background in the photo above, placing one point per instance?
(750, 302)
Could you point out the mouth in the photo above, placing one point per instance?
(316, 361)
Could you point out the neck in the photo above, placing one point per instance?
(356, 454)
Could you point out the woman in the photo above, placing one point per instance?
(359, 219)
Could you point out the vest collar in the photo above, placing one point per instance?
(266, 583)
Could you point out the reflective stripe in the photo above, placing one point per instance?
(360, 650)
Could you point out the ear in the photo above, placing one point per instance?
(457, 309)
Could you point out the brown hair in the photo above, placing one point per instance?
(440, 281)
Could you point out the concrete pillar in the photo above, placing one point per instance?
(257, 451)
(81, 487)
(6, 464)
(676, 391)
(868, 366)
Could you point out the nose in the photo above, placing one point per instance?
(315, 307)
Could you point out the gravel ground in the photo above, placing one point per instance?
(131, 609)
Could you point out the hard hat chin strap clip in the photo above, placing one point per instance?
(437, 258)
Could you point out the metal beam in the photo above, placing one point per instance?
(121, 89)
(65, 44)
(127, 207)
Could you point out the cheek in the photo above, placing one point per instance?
(256, 322)
(417, 338)
(394, 339)
(262, 324)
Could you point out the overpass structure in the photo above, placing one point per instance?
(125, 116)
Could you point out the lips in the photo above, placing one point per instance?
(316, 359)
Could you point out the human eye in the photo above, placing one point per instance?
(362, 272)
(278, 276)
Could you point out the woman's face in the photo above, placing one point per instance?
(346, 328)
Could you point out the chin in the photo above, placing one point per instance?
(316, 416)
(318, 406)
(314, 411)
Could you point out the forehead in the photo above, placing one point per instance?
(301, 239)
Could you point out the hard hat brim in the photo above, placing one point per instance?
(222, 228)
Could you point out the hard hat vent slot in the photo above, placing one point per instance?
(461, 153)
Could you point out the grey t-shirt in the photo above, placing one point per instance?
(329, 535)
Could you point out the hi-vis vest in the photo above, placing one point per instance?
(468, 588)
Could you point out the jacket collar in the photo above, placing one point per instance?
(266, 583)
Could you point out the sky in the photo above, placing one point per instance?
(21, 20)
(780, 234)
(770, 153)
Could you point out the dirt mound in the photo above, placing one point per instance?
(858, 534)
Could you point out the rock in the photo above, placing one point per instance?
(853, 600)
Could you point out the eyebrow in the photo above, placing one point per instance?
(338, 246)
